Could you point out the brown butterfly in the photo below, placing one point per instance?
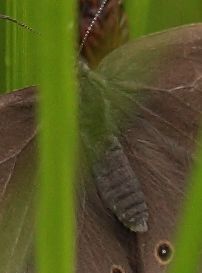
(151, 90)
(159, 143)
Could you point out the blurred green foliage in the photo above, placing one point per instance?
(47, 60)
(2, 50)
(148, 16)
(56, 74)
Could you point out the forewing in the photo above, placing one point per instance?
(154, 85)
(158, 69)
(18, 172)
(158, 77)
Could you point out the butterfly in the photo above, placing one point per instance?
(140, 146)
(150, 88)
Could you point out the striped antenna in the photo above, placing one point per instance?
(6, 17)
(104, 2)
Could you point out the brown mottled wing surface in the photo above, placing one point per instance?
(17, 177)
(109, 31)
(153, 89)
(162, 148)
(153, 84)
(102, 240)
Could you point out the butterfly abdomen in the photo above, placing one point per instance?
(120, 189)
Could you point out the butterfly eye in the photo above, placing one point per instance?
(164, 252)
(116, 269)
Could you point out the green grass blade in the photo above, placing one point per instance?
(16, 51)
(8, 49)
(137, 12)
(2, 50)
(56, 70)
(149, 16)
(188, 249)
(167, 14)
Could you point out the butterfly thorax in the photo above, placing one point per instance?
(115, 179)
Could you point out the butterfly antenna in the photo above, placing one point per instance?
(6, 17)
(104, 2)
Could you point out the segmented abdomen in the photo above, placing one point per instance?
(120, 189)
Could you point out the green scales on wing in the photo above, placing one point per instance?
(116, 181)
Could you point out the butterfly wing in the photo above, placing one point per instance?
(155, 77)
(154, 85)
(103, 244)
(18, 181)
(17, 177)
